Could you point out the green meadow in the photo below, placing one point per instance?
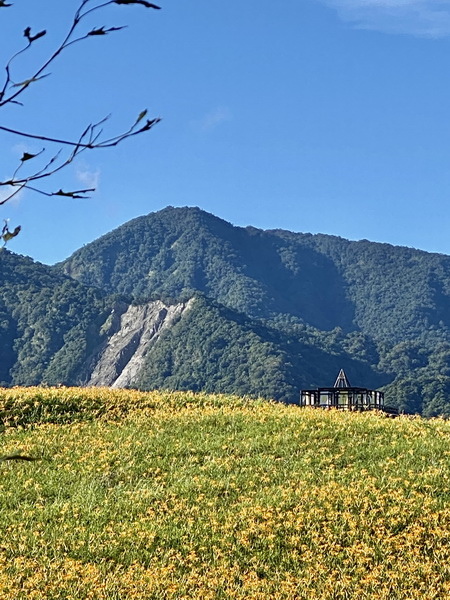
(194, 496)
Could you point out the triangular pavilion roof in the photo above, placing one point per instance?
(342, 380)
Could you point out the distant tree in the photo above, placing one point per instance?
(33, 170)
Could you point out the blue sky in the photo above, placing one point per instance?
(328, 116)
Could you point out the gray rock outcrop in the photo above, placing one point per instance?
(131, 333)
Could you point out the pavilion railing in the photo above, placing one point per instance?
(355, 407)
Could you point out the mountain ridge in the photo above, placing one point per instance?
(310, 303)
(247, 257)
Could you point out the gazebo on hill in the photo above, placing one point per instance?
(344, 396)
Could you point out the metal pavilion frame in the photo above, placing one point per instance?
(344, 396)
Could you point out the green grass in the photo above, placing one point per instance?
(195, 496)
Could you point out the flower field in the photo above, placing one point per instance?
(192, 496)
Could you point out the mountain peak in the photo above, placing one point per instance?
(323, 302)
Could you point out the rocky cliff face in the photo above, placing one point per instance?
(132, 330)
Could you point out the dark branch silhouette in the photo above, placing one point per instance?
(18, 457)
(27, 175)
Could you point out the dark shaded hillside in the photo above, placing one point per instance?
(217, 349)
(176, 252)
(48, 323)
(397, 292)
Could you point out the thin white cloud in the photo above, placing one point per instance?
(5, 192)
(213, 118)
(426, 18)
(20, 148)
(88, 177)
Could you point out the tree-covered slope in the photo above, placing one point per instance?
(213, 348)
(176, 252)
(391, 293)
(53, 331)
(275, 311)
(397, 293)
(48, 323)
(384, 305)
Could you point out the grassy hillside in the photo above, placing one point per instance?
(177, 495)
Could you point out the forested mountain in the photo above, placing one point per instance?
(54, 330)
(274, 311)
(49, 323)
(218, 349)
(391, 293)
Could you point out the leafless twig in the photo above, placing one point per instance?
(27, 175)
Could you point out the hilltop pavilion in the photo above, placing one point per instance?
(344, 396)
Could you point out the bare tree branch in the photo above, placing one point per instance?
(91, 138)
